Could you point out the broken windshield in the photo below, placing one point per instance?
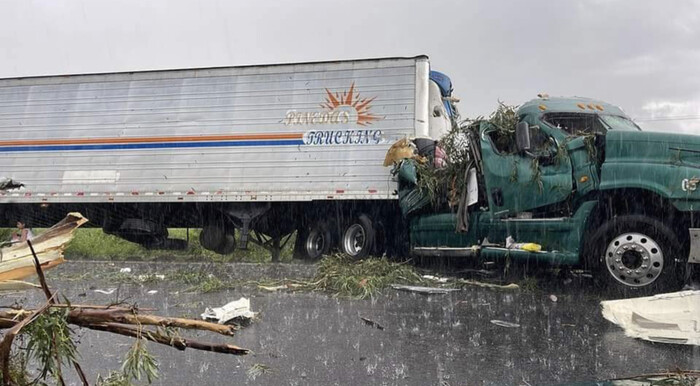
(585, 123)
(616, 122)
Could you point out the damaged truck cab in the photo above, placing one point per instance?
(581, 181)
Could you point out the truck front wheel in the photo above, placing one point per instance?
(637, 253)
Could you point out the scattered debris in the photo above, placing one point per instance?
(16, 285)
(553, 298)
(511, 286)
(435, 278)
(258, 369)
(504, 323)
(280, 287)
(424, 290)
(400, 150)
(237, 312)
(17, 262)
(372, 323)
(9, 184)
(665, 318)
(52, 320)
(362, 279)
(530, 247)
(152, 292)
(105, 292)
(125, 270)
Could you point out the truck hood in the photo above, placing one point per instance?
(661, 162)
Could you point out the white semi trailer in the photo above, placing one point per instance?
(259, 150)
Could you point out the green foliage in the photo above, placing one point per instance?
(537, 174)
(363, 279)
(139, 363)
(562, 153)
(447, 184)
(115, 378)
(505, 117)
(514, 171)
(49, 342)
(589, 142)
(18, 369)
(257, 369)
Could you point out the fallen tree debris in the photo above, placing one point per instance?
(372, 323)
(511, 286)
(127, 321)
(16, 261)
(423, 290)
(503, 323)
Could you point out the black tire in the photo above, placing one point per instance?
(636, 255)
(314, 242)
(358, 238)
(227, 246)
(211, 237)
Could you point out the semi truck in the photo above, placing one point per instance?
(247, 154)
(577, 179)
(259, 153)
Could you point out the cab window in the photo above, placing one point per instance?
(576, 123)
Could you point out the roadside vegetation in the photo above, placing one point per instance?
(93, 244)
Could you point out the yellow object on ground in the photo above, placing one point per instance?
(531, 247)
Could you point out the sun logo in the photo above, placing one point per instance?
(351, 104)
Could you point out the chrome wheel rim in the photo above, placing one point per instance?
(634, 259)
(315, 244)
(354, 240)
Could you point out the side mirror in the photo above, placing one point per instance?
(522, 136)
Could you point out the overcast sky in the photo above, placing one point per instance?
(641, 55)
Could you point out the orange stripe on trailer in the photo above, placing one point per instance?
(83, 141)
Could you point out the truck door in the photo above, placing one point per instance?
(518, 182)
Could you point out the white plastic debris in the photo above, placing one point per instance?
(667, 318)
(239, 309)
(503, 323)
(152, 292)
(423, 290)
(553, 298)
(105, 292)
(435, 278)
(125, 270)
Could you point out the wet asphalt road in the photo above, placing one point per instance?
(314, 339)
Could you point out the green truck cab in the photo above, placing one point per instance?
(581, 180)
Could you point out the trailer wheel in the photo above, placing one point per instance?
(211, 237)
(227, 246)
(359, 237)
(314, 242)
(637, 254)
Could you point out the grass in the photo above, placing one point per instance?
(93, 244)
(363, 279)
(337, 276)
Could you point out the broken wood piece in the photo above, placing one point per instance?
(423, 290)
(172, 341)
(17, 285)
(511, 286)
(124, 316)
(372, 323)
(16, 261)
